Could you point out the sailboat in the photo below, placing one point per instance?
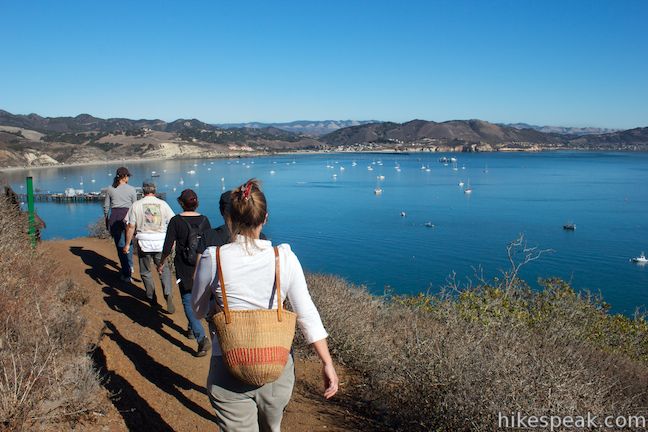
(468, 189)
(378, 190)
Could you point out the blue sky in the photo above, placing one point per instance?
(570, 63)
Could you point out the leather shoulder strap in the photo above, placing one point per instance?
(278, 283)
(228, 318)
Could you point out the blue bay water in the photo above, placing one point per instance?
(338, 225)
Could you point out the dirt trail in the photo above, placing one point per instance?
(150, 364)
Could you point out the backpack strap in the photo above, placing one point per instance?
(277, 286)
(186, 222)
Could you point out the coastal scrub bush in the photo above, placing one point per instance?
(454, 361)
(45, 375)
(98, 229)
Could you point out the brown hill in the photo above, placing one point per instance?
(456, 133)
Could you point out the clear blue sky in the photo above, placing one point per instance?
(567, 62)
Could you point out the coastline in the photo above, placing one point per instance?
(153, 159)
(237, 155)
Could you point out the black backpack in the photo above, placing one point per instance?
(188, 252)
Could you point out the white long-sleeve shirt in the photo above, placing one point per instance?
(249, 275)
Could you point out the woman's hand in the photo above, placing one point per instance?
(328, 371)
(330, 380)
(160, 267)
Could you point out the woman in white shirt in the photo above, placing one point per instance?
(248, 268)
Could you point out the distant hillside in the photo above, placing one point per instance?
(628, 140)
(305, 127)
(34, 140)
(478, 135)
(563, 130)
(458, 135)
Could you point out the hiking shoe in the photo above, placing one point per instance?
(170, 306)
(190, 334)
(203, 347)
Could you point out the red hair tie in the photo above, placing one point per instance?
(246, 193)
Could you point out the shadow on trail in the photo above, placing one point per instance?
(136, 412)
(360, 416)
(134, 303)
(100, 269)
(142, 314)
(164, 378)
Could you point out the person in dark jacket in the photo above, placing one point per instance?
(178, 233)
(220, 236)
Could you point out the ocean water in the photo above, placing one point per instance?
(326, 208)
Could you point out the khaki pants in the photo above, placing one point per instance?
(241, 407)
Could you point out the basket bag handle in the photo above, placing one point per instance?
(277, 285)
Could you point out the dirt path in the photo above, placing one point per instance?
(150, 364)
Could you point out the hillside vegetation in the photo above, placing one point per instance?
(453, 361)
(46, 378)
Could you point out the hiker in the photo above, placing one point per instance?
(120, 196)
(221, 235)
(185, 230)
(247, 268)
(150, 216)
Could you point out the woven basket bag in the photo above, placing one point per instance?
(255, 343)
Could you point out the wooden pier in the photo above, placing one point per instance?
(90, 197)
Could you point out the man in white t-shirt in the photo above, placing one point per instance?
(149, 217)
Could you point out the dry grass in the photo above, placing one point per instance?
(452, 362)
(45, 375)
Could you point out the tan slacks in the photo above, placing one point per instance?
(241, 407)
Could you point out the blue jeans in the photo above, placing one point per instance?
(118, 232)
(194, 323)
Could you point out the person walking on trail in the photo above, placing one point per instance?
(120, 196)
(185, 230)
(247, 268)
(221, 235)
(149, 217)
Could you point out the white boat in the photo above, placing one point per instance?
(641, 259)
(453, 159)
(181, 181)
(191, 172)
(369, 168)
(468, 189)
(378, 190)
(461, 183)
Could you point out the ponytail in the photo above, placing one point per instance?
(248, 209)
